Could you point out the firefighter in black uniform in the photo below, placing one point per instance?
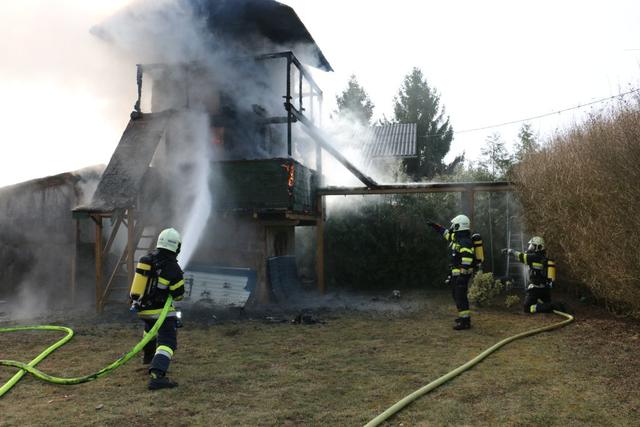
(165, 279)
(542, 274)
(462, 263)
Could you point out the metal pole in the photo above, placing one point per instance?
(300, 90)
(287, 101)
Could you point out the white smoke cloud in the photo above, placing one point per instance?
(65, 95)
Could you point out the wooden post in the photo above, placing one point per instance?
(74, 263)
(130, 244)
(320, 245)
(471, 197)
(98, 255)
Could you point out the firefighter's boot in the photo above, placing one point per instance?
(462, 323)
(158, 381)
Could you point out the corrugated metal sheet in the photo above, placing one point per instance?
(394, 140)
(221, 286)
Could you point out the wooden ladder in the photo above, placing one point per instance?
(140, 240)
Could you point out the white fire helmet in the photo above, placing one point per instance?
(170, 240)
(536, 244)
(460, 223)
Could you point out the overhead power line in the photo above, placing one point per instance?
(548, 114)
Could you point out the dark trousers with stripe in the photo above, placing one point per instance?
(538, 300)
(459, 288)
(168, 337)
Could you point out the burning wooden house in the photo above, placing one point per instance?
(240, 128)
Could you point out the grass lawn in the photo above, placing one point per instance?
(342, 373)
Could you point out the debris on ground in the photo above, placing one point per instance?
(306, 319)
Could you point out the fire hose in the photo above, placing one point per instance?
(460, 369)
(30, 367)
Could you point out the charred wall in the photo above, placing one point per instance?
(37, 239)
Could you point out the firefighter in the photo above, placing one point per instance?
(542, 274)
(165, 278)
(462, 263)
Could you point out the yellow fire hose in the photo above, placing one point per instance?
(30, 367)
(443, 379)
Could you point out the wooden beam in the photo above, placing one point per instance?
(74, 262)
(470, 195)
(416, 188)
(315, 133)
(98, 256)
(112, 277)
(114, 234)
(320, 246)
(131, 243)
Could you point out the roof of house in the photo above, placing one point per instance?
(260, 26)
(244, 19)
(392, 141)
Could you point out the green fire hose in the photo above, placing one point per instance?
(30, 367)
(460, 369)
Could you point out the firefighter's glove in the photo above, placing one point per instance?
(433, 225)
(508, 251)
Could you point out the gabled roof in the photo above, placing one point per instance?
(392, 141)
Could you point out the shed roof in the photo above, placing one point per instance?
(394, 140)
(121, 180)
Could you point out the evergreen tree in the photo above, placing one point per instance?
(419, 103)
(495, 159)
(527, 142)
(355, 102)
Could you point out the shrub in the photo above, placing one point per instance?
(484, 288)
(384, 242)
(511, 300)
(581, 194)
